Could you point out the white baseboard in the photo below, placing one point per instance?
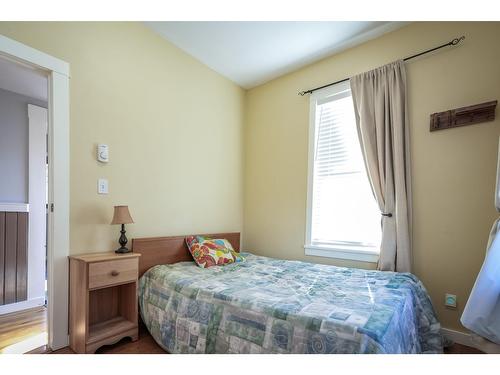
(472, 340)
(24, 305)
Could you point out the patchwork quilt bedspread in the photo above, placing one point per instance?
(266, 305)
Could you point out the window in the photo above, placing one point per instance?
(343, 218)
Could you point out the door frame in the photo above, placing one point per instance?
(58, 186)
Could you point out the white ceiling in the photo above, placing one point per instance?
(23, 80)
(252, 53)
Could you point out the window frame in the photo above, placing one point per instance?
(337, 249)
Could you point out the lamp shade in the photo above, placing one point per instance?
(122, 216)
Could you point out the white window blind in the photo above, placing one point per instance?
(343, 214)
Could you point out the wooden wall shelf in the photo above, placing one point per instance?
(473, 114)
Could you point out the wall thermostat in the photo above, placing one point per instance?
(102, 153)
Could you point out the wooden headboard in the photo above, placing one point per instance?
(168, 250)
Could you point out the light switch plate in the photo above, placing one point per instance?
(102, 186)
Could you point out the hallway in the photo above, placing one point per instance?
(23, 331)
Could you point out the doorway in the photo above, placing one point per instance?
(23, 206)
(56, 178)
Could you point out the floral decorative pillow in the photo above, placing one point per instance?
(208, 252)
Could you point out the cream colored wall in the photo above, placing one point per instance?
(173, 126)
(453, 170)
(177, 126)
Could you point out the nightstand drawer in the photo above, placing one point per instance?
(113, 272)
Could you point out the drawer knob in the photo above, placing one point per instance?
(115, 273)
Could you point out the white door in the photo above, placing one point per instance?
(37, 219)
(37, 196)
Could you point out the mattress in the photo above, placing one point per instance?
(265, 305)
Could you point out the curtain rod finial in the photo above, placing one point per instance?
(457, 40)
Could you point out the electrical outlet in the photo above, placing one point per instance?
(102, 186)
(450, 300)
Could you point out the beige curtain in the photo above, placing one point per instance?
(379, 98)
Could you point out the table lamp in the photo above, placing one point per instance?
(122, 216)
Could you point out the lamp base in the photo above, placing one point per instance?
(123, 250)
(123, 241)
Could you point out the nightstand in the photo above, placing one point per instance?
(103, 299)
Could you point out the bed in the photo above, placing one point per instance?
(266, 305)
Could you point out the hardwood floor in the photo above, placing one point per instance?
(18, 330)
(23, 331)
(147, 345)
(19, 327)
(461, 349)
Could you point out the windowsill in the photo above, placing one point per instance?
(349, 252)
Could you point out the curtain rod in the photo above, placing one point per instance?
(454, 42)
